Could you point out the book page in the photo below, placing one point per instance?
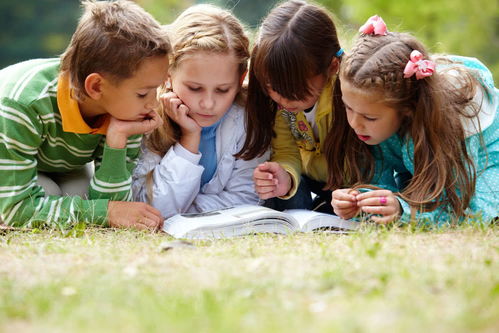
(233, 218)
(310, 220)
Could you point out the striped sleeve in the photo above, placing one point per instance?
(114, 167)
(22, 201)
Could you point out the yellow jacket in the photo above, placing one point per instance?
(295, 147)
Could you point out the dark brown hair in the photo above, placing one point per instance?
(444, 173)
(112, 38)
(296, 41)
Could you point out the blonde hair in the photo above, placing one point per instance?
(112, 38)
(444, 172)
(199, 28)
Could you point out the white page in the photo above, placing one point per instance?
(181, 224)
(309, 220)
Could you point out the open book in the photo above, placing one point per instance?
(251, 219)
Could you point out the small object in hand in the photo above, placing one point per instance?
(166, 246)
(382, 200)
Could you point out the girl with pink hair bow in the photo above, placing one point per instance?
(418, 139)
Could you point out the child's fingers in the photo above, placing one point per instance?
(171, 105)
(153, 211)
(264, 189)
(264, 175)
(372, 194)
(381, 210)
(266, 192)
(265, 182)
(165, 99)
(346, 213)
(151, 122)
(175, 103)
(344, 195)
(271, 167)
(147, 224)
(183, 110)
(377, 201)
(342, 204)
(167, 96)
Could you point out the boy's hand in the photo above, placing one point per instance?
(382, 202)
(271, 180)
(344, 203)
(136, 215)
(179, 113)
(119, 130)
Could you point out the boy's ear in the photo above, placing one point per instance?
(334, 66)
(93, 85)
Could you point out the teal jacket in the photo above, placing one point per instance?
(395, 156)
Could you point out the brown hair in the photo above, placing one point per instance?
(296, 41)
(444, 173)
(112, 38)
(198, 28)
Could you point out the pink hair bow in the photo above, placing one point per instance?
(374, 26)
(416, 65)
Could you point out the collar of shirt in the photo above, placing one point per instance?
(72, 120)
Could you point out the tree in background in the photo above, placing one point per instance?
(463, 27)
(35, 28)
(42, 28)
(250, 12)
(165, 11)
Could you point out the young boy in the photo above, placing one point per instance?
(92, 104)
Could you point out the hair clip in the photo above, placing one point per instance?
(416, 65)
(374, 26)
(340, 52)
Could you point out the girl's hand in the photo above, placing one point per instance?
(119, 130)
(344, 203)
(179, 113)
(271, 180)
(382, 202)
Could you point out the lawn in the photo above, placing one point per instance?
(377, 280)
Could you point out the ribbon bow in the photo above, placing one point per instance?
(374, 26)
(416, 65)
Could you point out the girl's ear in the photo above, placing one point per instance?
(168, 83)
(334, 66)
(93, 85)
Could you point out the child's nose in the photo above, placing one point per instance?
(207, 102)
(355, 122)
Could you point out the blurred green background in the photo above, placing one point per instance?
(42, 28)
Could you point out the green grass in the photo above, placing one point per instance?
(397, 280)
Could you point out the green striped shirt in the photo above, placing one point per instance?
(32, 139)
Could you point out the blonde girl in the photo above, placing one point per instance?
(188, 165)
(409, 113)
